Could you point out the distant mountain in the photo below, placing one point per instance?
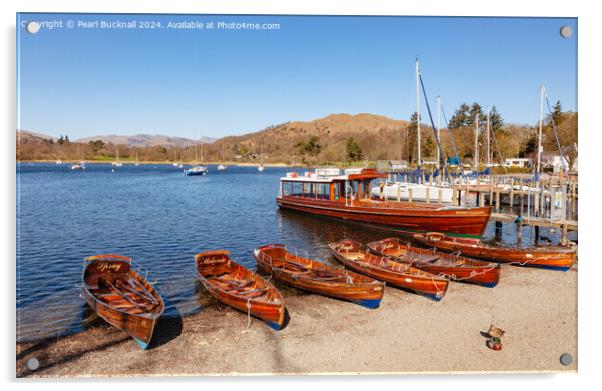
(26, 135)
(146, 140)
(380, 137)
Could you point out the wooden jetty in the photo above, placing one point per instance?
(551, 203)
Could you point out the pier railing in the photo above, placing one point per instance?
(550, 202)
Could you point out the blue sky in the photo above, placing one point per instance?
(200, 82)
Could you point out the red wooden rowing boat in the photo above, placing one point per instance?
(317, 277)
(548, 257)
(454, 267)
(402, 275)
(238, 287)
(121, 296)
(348, 197)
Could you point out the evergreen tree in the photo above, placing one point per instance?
(354, 152)
(496, 120)
(460, 117)
(475, 109)
(61, 140)
(557, 113)
(412, 138)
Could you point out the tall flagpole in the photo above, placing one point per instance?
(418, 111)
(540, 130)
(476, 143)
(488, 141)
(438, 130)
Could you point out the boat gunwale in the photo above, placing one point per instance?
(147, 315)
(468, 263)
(415, 272)
(276, 295)
(343, 272)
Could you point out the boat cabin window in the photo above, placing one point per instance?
(319, 191)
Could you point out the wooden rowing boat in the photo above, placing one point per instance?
(454, 267)
(548, 257)
(317, 277)
(121, 296)
(353, 255)
(348, 197)
(238, 287)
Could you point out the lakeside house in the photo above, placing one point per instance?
(518, 162)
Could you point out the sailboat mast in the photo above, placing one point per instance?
(438, 130)
(476, 142)
(540, 130)
(488, 142)
(418, 112)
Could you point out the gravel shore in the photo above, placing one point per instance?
(407, 333)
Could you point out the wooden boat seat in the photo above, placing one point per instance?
(92, 283)
(294, 266)
(330, 278)
(251, 292)
(231, 285)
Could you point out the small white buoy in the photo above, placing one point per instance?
(112, 170)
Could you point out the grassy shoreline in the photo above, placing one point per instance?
(131, 162)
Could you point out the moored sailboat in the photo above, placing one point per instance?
(117, 163)
(196, 169)
(261, 167)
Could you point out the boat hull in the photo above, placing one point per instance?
(406, 217)
(550, 258)
(487, 276)
(429, 286)
(138, 326)
(271, 311)
(367, 294)
(454, 267)
(272, 314)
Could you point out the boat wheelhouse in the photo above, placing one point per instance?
(347, 195)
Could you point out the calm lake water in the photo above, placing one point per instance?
(160, 218)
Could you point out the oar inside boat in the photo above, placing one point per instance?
(314, 276)
(237, 286)
(121, 296)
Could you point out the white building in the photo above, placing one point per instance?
(518, 162)
(556, 162)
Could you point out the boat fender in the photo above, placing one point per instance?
(519, 219)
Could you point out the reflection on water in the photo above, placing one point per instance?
(160, 218)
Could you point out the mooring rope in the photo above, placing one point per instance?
(249, 312)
